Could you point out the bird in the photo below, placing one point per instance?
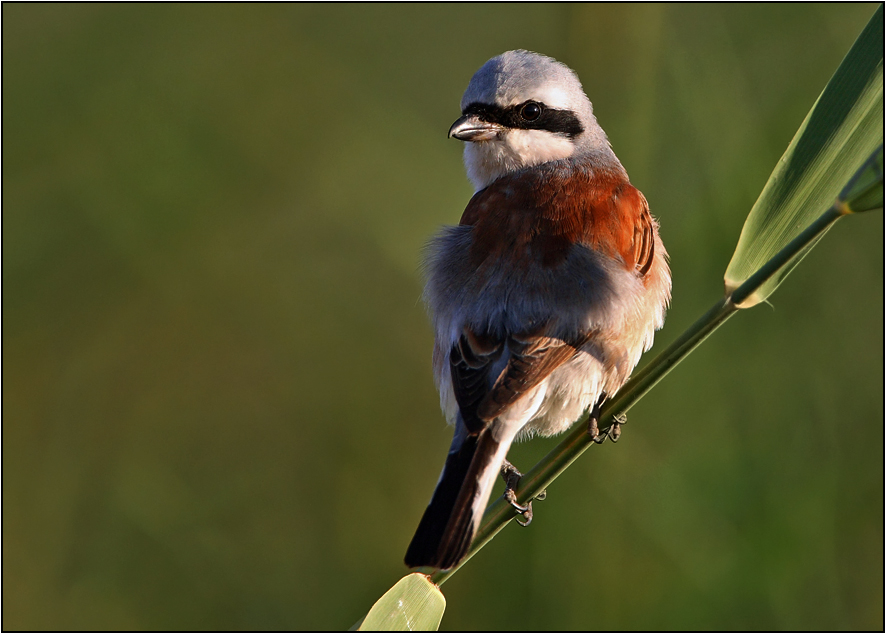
(544, 296)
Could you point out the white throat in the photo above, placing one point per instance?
(511, 150)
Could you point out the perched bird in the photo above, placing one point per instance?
(544, 296)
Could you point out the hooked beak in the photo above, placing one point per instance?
(470, 128)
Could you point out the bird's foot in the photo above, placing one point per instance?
(511, 476)
(613, 432)
(594, 422)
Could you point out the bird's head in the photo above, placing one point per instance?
(523, 109)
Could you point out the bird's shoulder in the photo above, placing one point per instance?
(542, 212)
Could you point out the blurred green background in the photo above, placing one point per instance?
(218, 409)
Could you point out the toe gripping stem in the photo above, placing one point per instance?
(613, 432)
(511, 476)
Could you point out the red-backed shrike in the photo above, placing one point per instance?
(544, 296)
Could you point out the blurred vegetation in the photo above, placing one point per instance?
(218, 410)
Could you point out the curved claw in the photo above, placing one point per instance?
(511, 498)
(527, 515)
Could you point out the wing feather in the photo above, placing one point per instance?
(643, 242)
(533, 357)
(470, 363)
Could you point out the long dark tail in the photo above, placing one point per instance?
(451, 520)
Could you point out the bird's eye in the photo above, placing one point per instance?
(531, 111)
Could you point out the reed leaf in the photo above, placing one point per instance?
(412, 604)
(844, 127)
